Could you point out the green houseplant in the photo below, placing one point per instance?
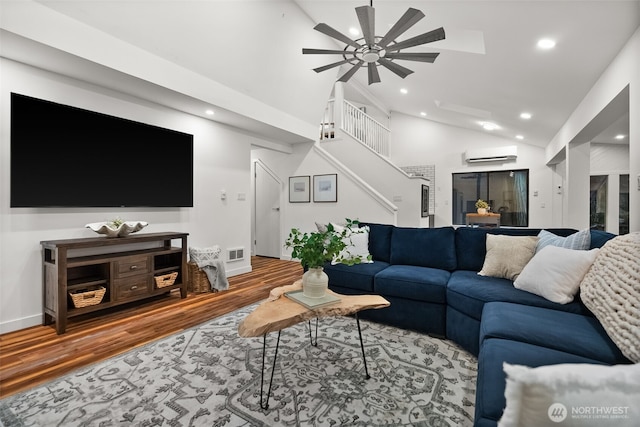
(316, 248)
(482, 207)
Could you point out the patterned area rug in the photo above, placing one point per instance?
(208, 376)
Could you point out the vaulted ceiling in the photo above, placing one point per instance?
(489, 68)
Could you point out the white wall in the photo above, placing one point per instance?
(392, 182)
(421, 141)
(608, 158)
(623, 71)
(354, 202)
(221, 161)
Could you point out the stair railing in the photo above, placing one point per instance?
(365, 128)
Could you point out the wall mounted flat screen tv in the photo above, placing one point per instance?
(63, 156)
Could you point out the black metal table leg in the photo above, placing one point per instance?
(366, 370)
(315, 344)
(265, 405)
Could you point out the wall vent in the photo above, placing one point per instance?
(235, 254)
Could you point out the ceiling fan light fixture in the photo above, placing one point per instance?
(371, 55)
(372, 50)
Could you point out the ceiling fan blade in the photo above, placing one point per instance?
(328, 67)
(325, 29)
(420, 57)
(374, 76)
(323, 51)
(366, 16)
(431, 36)
(396, 68)
(346, 76)
(408, 20)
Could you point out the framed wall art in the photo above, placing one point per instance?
(299, 189)
(424, 201)
(325, 188)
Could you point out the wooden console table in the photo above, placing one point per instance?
(125, 267)
(489, 219)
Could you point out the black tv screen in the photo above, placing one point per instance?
(63, 156)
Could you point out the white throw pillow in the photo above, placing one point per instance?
(580, 240)
(572, 395)
(357, 241)
(507, 255)
(204, 256)
(555, 273)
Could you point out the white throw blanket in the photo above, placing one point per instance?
(214, 269)
(207, 260)
(611, 290)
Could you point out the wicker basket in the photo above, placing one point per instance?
(198, 280)
(88, 296)
(165, 280)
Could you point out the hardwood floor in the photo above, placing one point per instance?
(36, 355)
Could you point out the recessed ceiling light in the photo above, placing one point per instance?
(423, 114)
(525, 116)
(519, 137)
(404, 91)
(620, 136)
(354, 31)
(210, 112)
(489, 126)
(546, 44)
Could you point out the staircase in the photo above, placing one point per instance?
(361, 144)
(357, 124)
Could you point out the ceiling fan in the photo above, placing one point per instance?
(372, 51)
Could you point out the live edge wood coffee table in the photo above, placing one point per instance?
(279, 312)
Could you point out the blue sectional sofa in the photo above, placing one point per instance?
(430, 276)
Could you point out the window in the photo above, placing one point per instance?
(598, 202)
(624, 204)
(507, 193)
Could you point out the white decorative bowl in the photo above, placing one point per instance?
(125, 228)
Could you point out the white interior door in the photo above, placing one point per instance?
(267, 214)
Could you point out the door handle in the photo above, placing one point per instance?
(276, 209)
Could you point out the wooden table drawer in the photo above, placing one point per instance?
(132, 287)
(132, 266)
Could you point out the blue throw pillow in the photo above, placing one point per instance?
(599, 238)
(579, 241)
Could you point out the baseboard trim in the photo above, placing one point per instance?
(240, 270)
(22, 323)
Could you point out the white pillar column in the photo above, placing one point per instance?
(576, 192)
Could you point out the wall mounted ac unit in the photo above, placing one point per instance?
(496, 154)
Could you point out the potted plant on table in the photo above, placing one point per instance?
(316, 248)
(482, 207)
